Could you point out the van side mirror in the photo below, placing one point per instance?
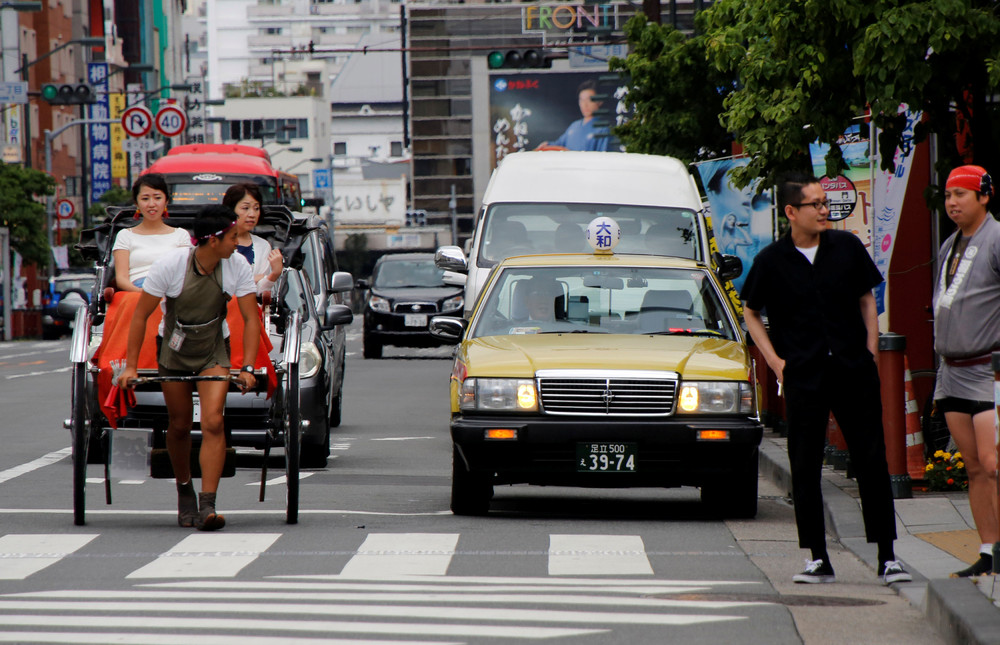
(451, 258)
(341, 282)
(727, 267)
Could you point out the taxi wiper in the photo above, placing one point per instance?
(686, 332)
(574, 331)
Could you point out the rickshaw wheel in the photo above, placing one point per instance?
(81, 441)
(292, 443)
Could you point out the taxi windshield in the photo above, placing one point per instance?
(618, 300)
(525, 229)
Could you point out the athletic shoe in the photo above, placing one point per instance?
(817, 571)
(980, 567)
(893, 571)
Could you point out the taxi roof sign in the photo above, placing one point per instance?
(603, 234)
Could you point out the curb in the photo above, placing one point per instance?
(956, 608)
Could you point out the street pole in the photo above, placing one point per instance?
(8, 333)
(49, 207)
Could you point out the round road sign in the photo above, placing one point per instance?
(64, 209)
(137, 121)
(170, 120)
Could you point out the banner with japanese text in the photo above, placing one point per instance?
(99, 133)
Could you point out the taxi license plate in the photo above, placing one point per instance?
(415, 320)
(606, 457)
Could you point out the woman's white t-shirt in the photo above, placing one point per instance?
(166, 278)
(143, 250)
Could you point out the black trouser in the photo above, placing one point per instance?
(853, 395)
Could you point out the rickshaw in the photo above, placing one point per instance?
(274, 410)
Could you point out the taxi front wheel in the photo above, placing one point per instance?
(471, 492)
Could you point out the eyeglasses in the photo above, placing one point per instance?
(818, 205)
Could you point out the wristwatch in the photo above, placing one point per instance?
(246, 368)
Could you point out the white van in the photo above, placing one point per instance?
(541, 202)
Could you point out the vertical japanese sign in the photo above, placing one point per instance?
(100, 133)
(742, 219)
(888, 193)
(119, 158)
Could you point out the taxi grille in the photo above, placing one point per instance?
(632, 397)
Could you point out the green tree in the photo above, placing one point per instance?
(800, 71)
(22, 212)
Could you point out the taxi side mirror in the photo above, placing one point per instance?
(727, 267)
(447, 328)
(451, 258)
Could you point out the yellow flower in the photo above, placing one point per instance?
(928, 468)
(961, 464)
(957, 455)
(939, 453)
(947, 455)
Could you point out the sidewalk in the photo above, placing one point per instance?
(936, 536)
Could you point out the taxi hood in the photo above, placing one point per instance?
(520, 356)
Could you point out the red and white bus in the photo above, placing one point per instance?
(200, 173)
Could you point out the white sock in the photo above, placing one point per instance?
(986, 549)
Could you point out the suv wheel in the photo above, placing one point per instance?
(471, 492)
(372, 348)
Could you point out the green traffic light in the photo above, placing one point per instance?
(50, 92)
(495, 60)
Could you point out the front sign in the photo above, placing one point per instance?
(100, 133)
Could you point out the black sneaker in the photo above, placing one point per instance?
(893, 571)
(980, 567)
(817, 571)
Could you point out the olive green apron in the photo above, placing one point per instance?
(192, 324)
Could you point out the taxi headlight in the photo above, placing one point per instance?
(378, 303)
(501, 394)
(715, 397)
(452, 304)
(310, 360)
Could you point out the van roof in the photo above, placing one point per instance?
(225, 163)
(566, 176)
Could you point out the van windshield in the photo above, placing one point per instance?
(525, 229)
(185, 190)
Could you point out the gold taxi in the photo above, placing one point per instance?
(603, 370)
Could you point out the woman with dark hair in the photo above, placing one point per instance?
(138, 247)
(245, 199)
(193, 287)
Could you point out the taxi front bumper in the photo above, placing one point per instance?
(668, 451)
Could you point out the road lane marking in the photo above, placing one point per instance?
(281, 480)
(597, 555)
(42, 373)
(24, 554)
(107, 638)
(220, 555)
(424, 554)
(24, 469)
(400, 438)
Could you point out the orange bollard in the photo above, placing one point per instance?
(890, 370)
(914, 435)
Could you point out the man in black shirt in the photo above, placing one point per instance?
(816, 287)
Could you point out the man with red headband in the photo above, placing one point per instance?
(195, 287)
(966, 332)
(816, 287)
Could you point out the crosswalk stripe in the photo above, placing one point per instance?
(44, 460)
(217, 555)
(596, 555)
(397, 594)
(25, 554)
(110, 638)
(409, 583)
(393, 554)
(294, 626)
(422, 612)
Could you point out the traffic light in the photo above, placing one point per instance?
(69, 93)
(518, 59)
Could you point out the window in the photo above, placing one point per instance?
(396, 149)
(270, 31)
(340, 148)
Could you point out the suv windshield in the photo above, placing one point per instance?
(524, 229)
(397, 274)
(585, 299)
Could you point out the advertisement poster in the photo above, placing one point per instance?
(743, 221)
(554, 109)
(855, 146)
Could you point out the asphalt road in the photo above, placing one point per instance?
(377, 557)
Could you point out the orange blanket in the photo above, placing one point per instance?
(114, 344)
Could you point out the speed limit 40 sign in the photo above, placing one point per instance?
(170, 120)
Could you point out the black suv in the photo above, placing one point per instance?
(406, 289)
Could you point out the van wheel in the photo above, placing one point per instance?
(372, 348)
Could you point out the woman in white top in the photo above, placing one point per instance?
(138, 247)
(245, 199)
